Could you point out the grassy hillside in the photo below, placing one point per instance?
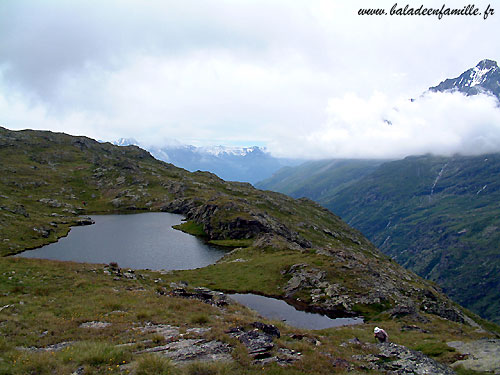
(293, 249)
(438, 216)
(318, 180)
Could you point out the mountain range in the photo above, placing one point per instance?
(244, 164)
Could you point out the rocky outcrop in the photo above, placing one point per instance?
(194, 350)
(246, 223)
(399, 360)
(113, 270)
(259, 342)
(202, 294)
(84, 221)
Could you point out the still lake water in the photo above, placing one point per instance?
(275, 309)
(145, 240)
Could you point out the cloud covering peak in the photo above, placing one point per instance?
(380, 127)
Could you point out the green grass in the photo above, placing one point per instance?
(191, 227)
(95, 354)
(232, 243)
(155, 364)
(370, 311)
(81, 293)
(460, 370)
(434, 349)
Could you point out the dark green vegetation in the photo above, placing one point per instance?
(438, 216)
(290, 248)
(319, 180)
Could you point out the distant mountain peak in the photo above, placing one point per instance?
(479, 73)
(487, 64)
(231, 150)
(126, 142)
(483, 78)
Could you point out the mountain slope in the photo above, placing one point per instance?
(105, 322)
(245, 164)
(48, 179)
(437, 216)
(483, 78)
(318, 180)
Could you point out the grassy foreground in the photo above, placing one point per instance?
(44, 303)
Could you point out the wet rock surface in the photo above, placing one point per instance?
(481, 355)
(84, 221)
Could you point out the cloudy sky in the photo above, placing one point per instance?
(308, 79)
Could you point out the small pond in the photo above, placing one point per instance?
(276, 309)
(145, 240)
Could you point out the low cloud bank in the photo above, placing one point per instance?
(381, 127)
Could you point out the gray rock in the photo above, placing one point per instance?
(166, 330)
(269, 329)
(398, 359)
(203, 294)
(49, 348)
(85, 221)
(257, 343)
(283, 357)
(95, 325)
(198, 350)
(482, 355)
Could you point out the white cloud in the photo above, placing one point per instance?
(381, 127)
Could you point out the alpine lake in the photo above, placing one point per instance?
(148, 241)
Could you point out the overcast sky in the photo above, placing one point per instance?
(308, 79)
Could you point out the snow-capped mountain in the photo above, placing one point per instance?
(225, 150)
(247, 164)
(483, 78)
(126, 142)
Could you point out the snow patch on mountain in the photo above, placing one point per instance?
(484, 78)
